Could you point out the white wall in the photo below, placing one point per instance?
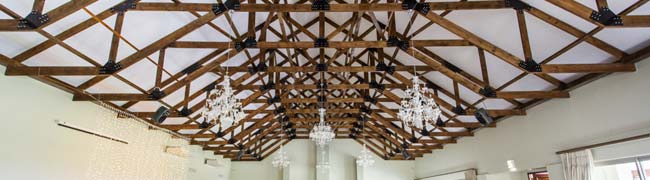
(34, 147)
(610, 108)
(342, 162)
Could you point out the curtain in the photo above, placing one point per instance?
(577, 165)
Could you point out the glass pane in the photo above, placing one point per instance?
(625, 171)
(646, 168)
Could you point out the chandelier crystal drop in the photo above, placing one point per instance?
(365, 158)
(322, 134)
(416, 108)
(222, 107)
(281, 160)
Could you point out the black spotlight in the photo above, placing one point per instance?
(483, 117)
(160, 115)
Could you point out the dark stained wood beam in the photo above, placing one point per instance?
(308, 44)
(333, 7)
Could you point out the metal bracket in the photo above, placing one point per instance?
(321, 67)
(204, 124)
(275, 99)
(413, 139)
(259, 68)
(320, 5)
(370, 99)
(280, 110)
(192, 68)
(440, 123)
(458, 110)
(268, 86)
(321, 42)
(425, 132)
(124, 6)
(606, 17)
(110, 67)
(322, 99)
(517, 5)
(157, 94)
(375, 85)
(385, 68)
(488, 92)
(223, 7)
(322, 85)
(185, 112)
(250, 42)
(232, 141)
(530, 65)
(365, 109)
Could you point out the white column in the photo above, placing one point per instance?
(323, 162)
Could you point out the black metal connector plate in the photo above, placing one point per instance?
(274, 100)
(392, 41)
(422, 8)
(320, 5)
(365, 109)
(385, 68)
(606, 17)
(321, 67)
(322, 99)
(409, 4)
(375, 85)
(250, 42)
(370, 99)
(458, 110)
(517, 4)
(157, 94)
(488, 92)
(440, 123)
(185, 112)
(204, 124)
(110, 67)
(268, 86)
(321, 42)
(280, 110)
(425, 132)
(322, 85)
(124, 6)
(530, 65)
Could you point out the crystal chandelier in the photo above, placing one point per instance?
(282, 159)
(322, 133)
(417, 108)
(365, 158)
(221, 106)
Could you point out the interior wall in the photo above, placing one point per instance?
(343, 154)
(610, 108)
(35, 147)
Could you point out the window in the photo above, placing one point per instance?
(624, 171)
(627, 169)
(646, 168)
(543, 175)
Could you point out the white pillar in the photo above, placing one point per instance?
(323, 162)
